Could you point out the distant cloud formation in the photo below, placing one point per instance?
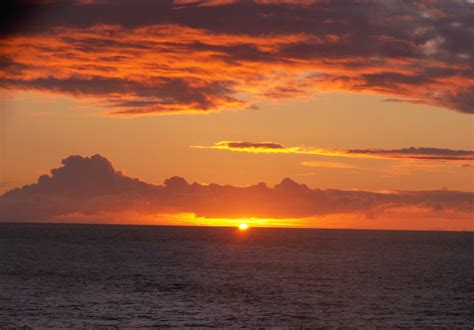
(251, 145)
(438, 154)
(254, 147)
(88, 187)
(416, 153)
(151, 57)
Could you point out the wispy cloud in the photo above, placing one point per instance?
(253, 147)
(435, 154)
(415, 153)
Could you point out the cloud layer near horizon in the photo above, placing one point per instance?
(140, 57)
(90, 187)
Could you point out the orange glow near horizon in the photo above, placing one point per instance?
(241, 223)
(401, 220)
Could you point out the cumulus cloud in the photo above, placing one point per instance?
(437, 154)
(141, 57)
(90, 186)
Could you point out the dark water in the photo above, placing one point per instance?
(128, 276)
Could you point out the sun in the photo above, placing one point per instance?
(243, 226)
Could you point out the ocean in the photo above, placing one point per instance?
(61, 276)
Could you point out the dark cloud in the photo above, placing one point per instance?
(84, 177)
(417, 153)
(90, 185)
(127, 96)
(258, 145)
(198, 55)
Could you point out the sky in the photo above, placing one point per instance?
(355, 114)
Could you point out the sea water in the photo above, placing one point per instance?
(54, 275)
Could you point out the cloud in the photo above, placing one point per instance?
(435, 154)
(416, 153)
(253, 147)
(88, 187)
(250, 145)
(146, 57)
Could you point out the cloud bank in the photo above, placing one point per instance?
(89, 188)
(151, 57)
(435, 154)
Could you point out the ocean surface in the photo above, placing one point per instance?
(137, 276)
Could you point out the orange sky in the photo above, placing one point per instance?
(237, 93)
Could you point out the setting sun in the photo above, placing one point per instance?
(243, 226)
